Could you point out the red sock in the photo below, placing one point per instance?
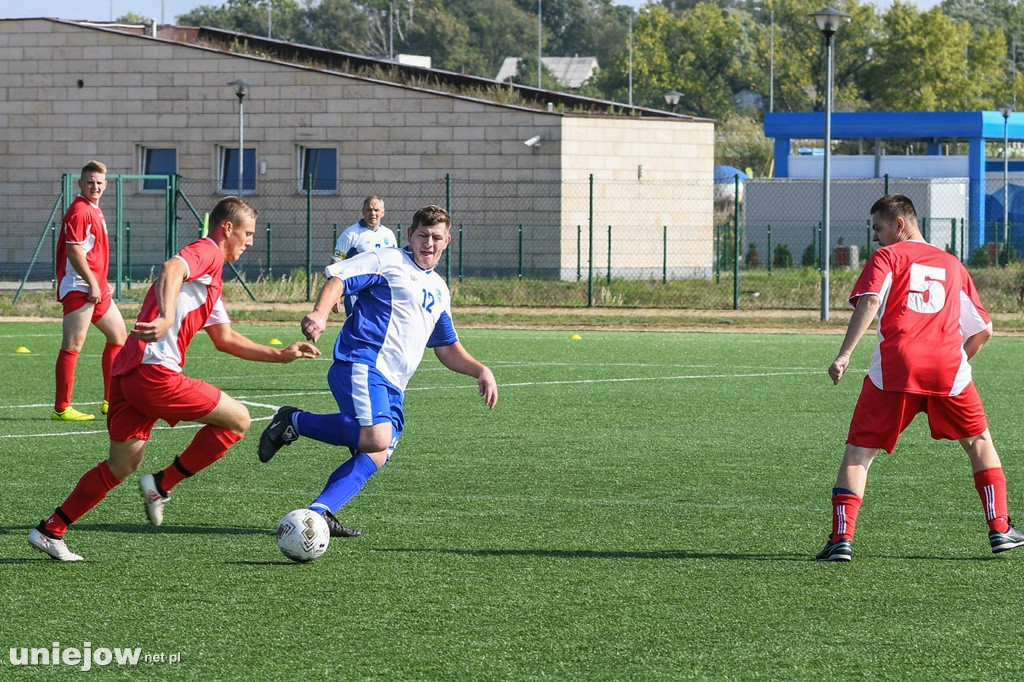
(65, 371)
(844, 515)
(90, 491)
(110, 352)
(209, 445)
(991, 487)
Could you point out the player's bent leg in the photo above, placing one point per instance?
(279, 432)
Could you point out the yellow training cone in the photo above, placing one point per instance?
(575, 337)
(22, 349)
(275, 342)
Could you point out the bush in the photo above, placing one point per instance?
(1008, 255)
(781, 257)
(810, 257)
(979, 258)
(753, 259)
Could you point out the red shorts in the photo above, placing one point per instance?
(151, 392)
(74, 300)
(881, 416)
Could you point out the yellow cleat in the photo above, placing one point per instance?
(70, 414)
(104, 406)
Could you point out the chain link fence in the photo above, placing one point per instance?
(643, 242)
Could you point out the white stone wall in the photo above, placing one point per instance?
(70, 93)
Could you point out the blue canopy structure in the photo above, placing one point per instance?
(934, 127)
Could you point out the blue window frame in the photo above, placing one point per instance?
(227, 173)
(158, 161)
(322, 164)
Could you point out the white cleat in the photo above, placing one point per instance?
(56, 549)
(154, 500)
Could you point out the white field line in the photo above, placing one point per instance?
(253, 401)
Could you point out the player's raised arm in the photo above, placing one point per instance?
(232, 342)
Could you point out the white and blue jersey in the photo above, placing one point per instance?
(400, 311)
(358, 238)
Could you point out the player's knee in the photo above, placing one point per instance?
(242, 423)
(375, 440)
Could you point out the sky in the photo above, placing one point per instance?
(166, 11)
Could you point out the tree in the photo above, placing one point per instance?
(925, 62)
(280, 18)
(704, 53)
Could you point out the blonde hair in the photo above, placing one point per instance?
(94, 167)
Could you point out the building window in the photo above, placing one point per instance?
(227, 171)
(322, 164)
(157, 161)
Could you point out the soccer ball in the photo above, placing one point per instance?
(303, 535)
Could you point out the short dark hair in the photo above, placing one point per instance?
(893, 206)
(431, 215)
(94, 167)
(231, 208)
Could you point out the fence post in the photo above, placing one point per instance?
(590, 264)
(736, 244)
(398, 234)
(460, 252)
(664, 254)
(520, 251)
(128, 252)
(579, 252)
(770, 255)
(867, 241)
(309, 236)
(270, 252)
(335, 234)
(886, 176)
(609, 273)
(718, 253)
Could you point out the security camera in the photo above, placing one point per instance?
(533, 141)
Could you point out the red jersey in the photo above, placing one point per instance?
(929, 306)
(198, 306)
(83, 225)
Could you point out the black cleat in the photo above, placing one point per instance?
(840, 550)
(1003, 541)
(338, 530)
(278, 433)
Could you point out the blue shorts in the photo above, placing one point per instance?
(363, 392)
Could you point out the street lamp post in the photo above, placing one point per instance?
(828, 21)
(241, 90)
(540, 35)
(1004, 256)
(632, 16)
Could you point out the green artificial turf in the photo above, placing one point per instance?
(638, 506)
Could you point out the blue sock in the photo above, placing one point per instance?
(344, 483)
(335, 429)
(842, 491)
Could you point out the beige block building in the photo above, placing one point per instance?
(154, 101)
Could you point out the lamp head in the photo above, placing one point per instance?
(241, 88)
(828, 20)
(1006, 110)
(672, 97)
